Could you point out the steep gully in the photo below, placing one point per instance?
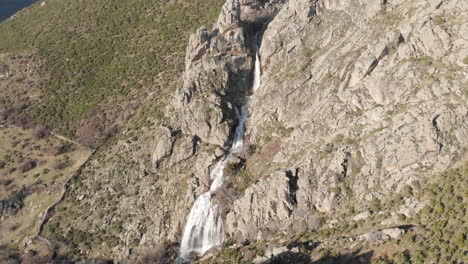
(204, 228)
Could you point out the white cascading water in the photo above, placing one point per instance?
(204, 227)
(258, 70)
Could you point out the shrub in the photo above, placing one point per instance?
(64, 148)
(438, 20)
(408, 190)
(375, 205)
(417, 257)
(380, 261)
(41, 132)
(336, 190)
(465, 60)
(402, 258)
(28, 165)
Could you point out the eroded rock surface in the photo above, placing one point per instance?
(362, 97)
(359, 99)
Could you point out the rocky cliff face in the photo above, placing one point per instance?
(165, 164)
(358, 99)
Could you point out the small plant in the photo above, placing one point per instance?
(65, 147)
(465, 60)
(439, 20)
(375, 205)
(229, 242)
(408, 190)
(401, 217)
(338, 138)
(336, 190)
(426, 60)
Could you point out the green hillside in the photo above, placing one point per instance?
(102, 57)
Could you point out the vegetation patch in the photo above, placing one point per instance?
(103, 57)
(28, 163)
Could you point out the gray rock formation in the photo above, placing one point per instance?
(217, 75)
(163, 147)
(380, 235)
(261, 207)
(362, 97)
(359, 98)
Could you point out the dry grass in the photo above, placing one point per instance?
(19, 150)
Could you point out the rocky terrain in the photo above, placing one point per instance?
(375, 98)
(355, 149)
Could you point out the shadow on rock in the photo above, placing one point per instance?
(290, 257)
(303, 246)
(304, 258)
(352, 258)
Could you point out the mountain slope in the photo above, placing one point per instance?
(81, 69)
(102, 58)
(355, 141)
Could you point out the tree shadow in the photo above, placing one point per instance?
(303, 245)
(289, 257)
(351, 258)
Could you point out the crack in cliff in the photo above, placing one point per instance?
(439, 135)
(383, 54)
(345, 165)
(195, 141)
(293, 186)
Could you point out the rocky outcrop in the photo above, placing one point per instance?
(359, 99)
(217, 75)
(230, 16)
(259, 12)
(363, 97)
(145, 193)
(275, 254)
(163, 147)
(380, 235)
(261, 207)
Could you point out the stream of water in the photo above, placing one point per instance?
(204, 228)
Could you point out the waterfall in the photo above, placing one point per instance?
(239, 134)
(258, 70)
(204, 227)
